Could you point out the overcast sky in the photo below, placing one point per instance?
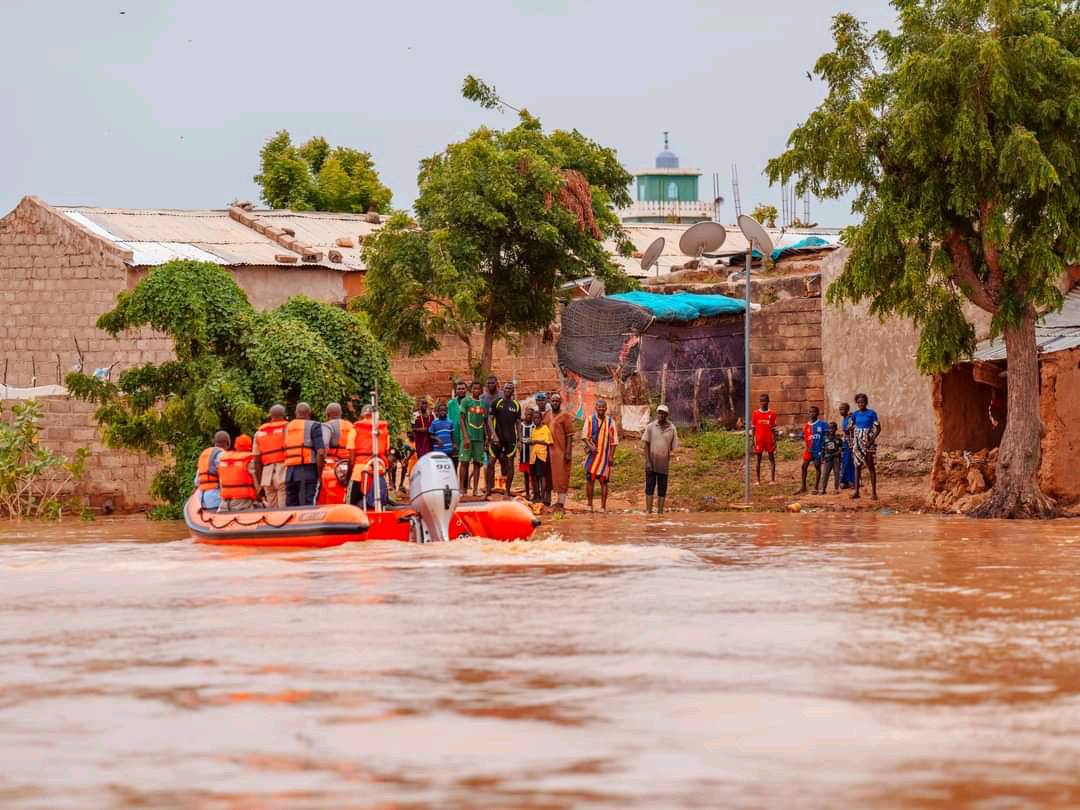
(148, 103)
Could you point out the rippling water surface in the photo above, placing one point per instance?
(616, 662)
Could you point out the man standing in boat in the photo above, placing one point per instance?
(304, 456)
(269, 449)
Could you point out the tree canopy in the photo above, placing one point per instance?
(231, 364)
(503, 219)
(958, 136)
(316, 177)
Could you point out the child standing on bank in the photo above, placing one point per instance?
(540, 440)
(813, 433)
(832, 455)
(764, 424)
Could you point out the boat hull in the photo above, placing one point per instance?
(329, 525)
(300, 527)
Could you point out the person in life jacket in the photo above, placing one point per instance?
(269, 450)
(369, 459)
(206, 473)
(304, 456)
(336, 432)
(236, 476)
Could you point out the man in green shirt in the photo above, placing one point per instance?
(473, 428)
(453, 413)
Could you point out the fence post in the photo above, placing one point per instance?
(697, 390)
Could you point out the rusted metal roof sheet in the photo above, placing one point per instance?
(156, 236)
(1056, 332)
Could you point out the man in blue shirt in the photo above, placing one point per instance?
(442, 431)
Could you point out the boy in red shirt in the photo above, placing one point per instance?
(764, 423)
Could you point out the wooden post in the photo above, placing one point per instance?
(697, 391)
(663, 384)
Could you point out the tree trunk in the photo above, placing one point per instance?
(487, 356)
(1016, 492)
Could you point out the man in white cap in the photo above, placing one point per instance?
(661, 440)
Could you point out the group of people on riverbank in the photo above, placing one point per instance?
(491, 437)
(837, 452)
(485, 431)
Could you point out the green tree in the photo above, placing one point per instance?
(765, 214)
(503, 218)
(316, 177)
(959, 138)
(231, 364)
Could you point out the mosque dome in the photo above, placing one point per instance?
(667, 160)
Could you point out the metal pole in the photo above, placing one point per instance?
(747, 374)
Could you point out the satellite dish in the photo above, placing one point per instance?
(596, 288)
(652, 253)
(704, 237)
(756, 235)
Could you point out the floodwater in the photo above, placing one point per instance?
(616, 662)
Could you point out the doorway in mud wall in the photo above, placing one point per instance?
(970, 403)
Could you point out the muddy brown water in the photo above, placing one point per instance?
(616, 662)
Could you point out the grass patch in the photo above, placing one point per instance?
(705, 475)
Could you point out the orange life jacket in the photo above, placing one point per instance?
(237, 482)
(299, 448)
(330, 489)
(361, 442)
(340, 431)
(207, 479)
(270, 439)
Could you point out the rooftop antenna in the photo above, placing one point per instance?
(702, 238)
(717, 199)
(665, 140)
(806, 209)
(735, 189)
(651, 254)
(758, 237)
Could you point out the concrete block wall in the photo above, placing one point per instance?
(533, 365)
(117, 477)
(785, 352)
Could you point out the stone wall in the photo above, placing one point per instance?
(785, 348)
(861, 353)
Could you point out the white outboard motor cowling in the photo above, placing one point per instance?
(434, 494)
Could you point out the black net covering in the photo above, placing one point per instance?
(600, 338)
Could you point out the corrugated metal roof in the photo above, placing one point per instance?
(1056, 332)
(156, 236)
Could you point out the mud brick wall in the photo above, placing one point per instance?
(533, 366)
(785, 351)
(1059, 474)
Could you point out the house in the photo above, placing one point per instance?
(970, 414)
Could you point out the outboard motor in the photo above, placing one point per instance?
(434, 494)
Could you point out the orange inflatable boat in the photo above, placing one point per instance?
(434, 513)
(300, 527)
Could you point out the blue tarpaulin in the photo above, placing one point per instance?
(802, 244)
(683, 306)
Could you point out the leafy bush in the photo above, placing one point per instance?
(34, 481)
(232, 364)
